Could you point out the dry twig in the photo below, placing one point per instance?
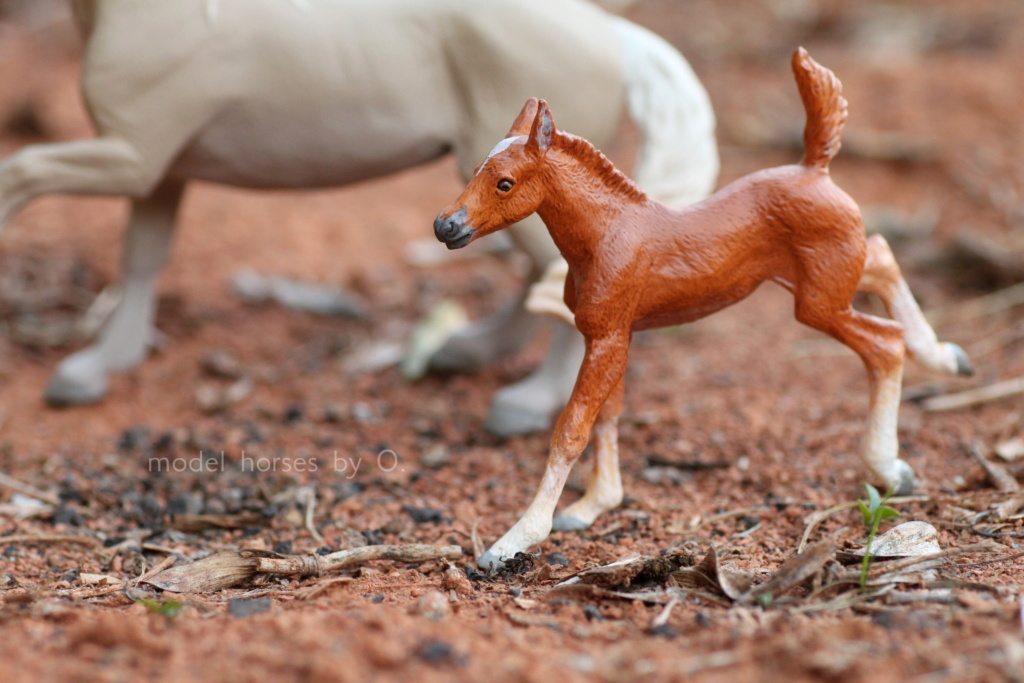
(29, 490)
(77, 540)
(973, 397)
(230, 568)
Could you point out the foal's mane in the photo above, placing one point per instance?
(594, 160)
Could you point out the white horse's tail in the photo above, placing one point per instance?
(677, 160)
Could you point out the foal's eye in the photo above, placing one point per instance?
(504, 185)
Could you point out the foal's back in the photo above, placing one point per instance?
(772, 225)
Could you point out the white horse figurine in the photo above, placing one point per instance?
(319, 93)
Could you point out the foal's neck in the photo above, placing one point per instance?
(586, 193)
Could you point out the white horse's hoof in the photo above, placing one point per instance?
(79, 379)
(490, 563)
(512, 420)
(526, 407)
(459, 354)
(905, 482)
(964, 368)
(568, 523)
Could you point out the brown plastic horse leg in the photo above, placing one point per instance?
(880, 345)
(883, 278)
(604, 492)
(604, 367)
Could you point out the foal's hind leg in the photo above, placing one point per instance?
(604, 492)
(82, 377)
(880, 345)
(882, 277)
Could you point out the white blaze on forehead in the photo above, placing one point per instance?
(501, 147)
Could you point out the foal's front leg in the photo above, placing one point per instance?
(604, 366)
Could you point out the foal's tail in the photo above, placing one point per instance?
(822, 94)
(677, 159)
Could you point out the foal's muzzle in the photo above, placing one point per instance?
(453, 230)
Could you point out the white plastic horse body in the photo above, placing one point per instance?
(317, 93)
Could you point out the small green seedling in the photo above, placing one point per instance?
(168, 609)
(873, 512)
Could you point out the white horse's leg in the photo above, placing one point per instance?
(105, 165)
(882, 277)
(500, 334)
(604, 492)
(528, 405)
(122, 344)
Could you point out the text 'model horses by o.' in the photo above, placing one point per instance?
(319, 93)
(634, 264)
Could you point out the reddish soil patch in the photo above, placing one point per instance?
(932, 152)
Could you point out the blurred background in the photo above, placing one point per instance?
(932, 151)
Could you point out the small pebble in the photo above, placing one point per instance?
(557, 559)
(423, 515)
(435, 651)
(240, 608)
(433, 605)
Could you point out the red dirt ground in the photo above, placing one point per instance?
(932, 153)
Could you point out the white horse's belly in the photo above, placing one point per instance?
(264, 148)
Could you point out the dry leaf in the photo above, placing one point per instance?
(99, 579)
(215, 572)
(625, 573)
(1011, 450)
(910, 539)
(794, 571)
(709, 574)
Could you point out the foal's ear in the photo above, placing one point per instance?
(542, 130)
(522, 124)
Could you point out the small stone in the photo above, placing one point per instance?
(374, 536)
(221, 363)
(454, 580)
(557, 559)
(433, 605)
(435, 457)
(435, 651)
(350, 538)
(65, 515)
(240, 608)
(363, 413)
(665, 631)
(423, 515)
(395, 526)
(293, 414)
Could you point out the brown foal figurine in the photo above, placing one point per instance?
(635, 264)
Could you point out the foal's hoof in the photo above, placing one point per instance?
(79, 379)
(568, 523)
(490, 563)
(963, 363)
